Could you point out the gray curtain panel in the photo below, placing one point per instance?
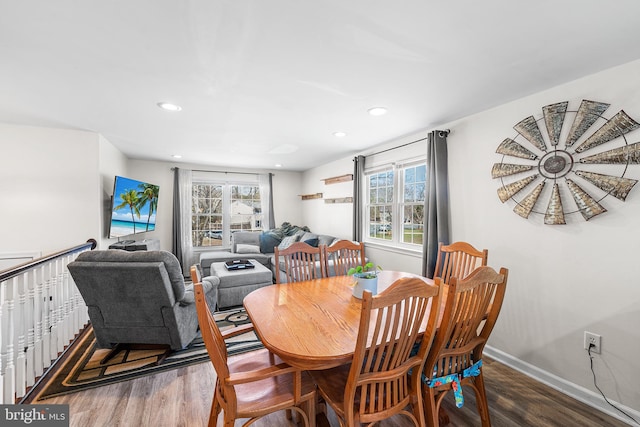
(272, 220)
(176, 241)
(436, 206)
(358, 175)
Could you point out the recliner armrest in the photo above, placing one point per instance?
(209, 284)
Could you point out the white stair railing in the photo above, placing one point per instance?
(41, 311)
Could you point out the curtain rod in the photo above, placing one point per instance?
(202, 170)
(445, 132)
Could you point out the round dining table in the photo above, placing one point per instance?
(313, 324)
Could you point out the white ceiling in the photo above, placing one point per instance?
(268, 81)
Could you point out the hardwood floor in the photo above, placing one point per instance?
(182, 397)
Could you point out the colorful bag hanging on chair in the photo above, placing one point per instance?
(471, 371)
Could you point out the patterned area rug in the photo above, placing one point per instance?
(83, 369)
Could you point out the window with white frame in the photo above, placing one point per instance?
(395, 205)
(221, 208)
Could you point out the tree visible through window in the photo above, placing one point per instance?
(381, 205)
(396, 204)
(246, 208)
(218, 209)
(415, 183)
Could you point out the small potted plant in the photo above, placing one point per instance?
(366, 279)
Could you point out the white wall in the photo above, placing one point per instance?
(327, 218)
(56, 187)
(563, 280)
(49, 188)
(112, 163)
(287, 186)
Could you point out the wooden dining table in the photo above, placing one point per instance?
(312, 324)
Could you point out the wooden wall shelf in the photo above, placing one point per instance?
(339, 200)
(337, 179)
(311, 196)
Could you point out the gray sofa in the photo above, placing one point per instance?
(259, 246)
(138, 297)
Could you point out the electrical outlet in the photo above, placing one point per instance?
(592, 339)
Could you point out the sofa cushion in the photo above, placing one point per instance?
(311, 242)
(310, 239)
(288, 241)
(324, 239)
(244, 238)
(242, 248)
(268, 241)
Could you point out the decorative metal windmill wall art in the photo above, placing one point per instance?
(570, 152)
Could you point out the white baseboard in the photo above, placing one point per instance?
(577, 392)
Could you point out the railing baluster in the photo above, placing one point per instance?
(56, 315)
(7, 354)
(3, 339)
(46, 316)
(20, 361)
(37, 318)
(41, 311)
(30, 324)
(66, 301)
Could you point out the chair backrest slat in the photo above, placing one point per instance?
(389, 328)
(300, 262)
(343, 255)
(458, 259)
(462, 335)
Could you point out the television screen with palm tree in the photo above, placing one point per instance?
(134, 206)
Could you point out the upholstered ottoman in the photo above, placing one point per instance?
(237, 284)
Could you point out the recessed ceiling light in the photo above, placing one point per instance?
(339, 134)
(278, 165)
(169, 106)
(377, 111)
(176, 156)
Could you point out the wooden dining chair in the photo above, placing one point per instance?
(196, 274)
(300, 261)
(458, 259)
(384, 378)
(343, 255)
(455, 359)
(254, 385)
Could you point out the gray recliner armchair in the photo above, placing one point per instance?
(138, 298)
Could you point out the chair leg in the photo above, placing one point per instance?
(417, 410)
(481, 400)
(311, 411)
(430, 407)
(215, 410)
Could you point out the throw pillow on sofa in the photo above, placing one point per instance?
(288, 241)
(268, 241)
(311, 242)
(247, 249)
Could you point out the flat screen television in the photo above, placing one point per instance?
(133, 207)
